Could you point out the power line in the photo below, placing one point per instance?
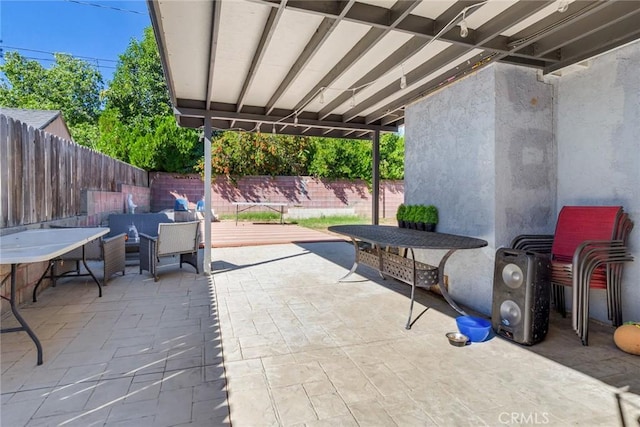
(53, 60)
(53, 53)
(85, 3)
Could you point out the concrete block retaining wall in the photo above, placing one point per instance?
(297, 192)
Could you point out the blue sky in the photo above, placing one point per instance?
(77, 27)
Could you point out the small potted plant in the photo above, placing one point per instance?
(420, 217)
(410, 217)
(401, 215)
(430, 218)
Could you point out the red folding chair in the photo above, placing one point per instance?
(587, 251)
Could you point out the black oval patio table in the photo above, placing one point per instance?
(391, 236)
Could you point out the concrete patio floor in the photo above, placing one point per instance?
(272, 339)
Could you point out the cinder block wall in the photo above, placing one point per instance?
(304, 192)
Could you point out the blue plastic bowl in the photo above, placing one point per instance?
(476, 328)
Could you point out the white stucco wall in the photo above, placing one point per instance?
(525, 163)
(482, 151)
(598, 134)
(501, 151)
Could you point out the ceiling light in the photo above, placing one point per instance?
(403, 79)
(321, 95)
(464, 30)
(353, 99)
(563, 6)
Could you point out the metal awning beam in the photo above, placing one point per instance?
(423, 90)
(621, 18)
(506, 19)
(213, 47)
(270, 27)
(379, 17)
(289, 121)
(324, 30)
(400, 10)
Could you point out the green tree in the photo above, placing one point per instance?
(137, 125)
(156, 143)
(138, 89)
(341, 158)
(391, 156)
(71, 85)
(243, 153)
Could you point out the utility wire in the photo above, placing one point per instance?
(53, 60)
(86, 3)
(53, 53)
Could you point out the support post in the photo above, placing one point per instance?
(375, 179)
(207, 197)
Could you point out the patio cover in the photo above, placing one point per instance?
(348, 68)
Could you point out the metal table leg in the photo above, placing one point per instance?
(53, 276)
(441, 284)
(414, 279)
(443, 288)
(355, 261)
(14, 309)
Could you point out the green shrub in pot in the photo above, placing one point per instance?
(430, 216)
(411, 216)
(401, 214)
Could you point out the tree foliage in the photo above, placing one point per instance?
(391, 156)
(71, 85)
(155, 144)
(341, 158)
(242, 153)
(138, 89)
(137, 125)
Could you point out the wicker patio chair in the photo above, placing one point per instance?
(109, 250)
(179, 238)
(587, 251)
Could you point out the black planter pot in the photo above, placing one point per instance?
(401, 224)
(429, 227)
(420, 226)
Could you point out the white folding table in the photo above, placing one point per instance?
(276, 207)
(39, 245)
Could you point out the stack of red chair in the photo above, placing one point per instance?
(588, 250)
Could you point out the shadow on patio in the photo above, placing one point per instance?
(145, 354)
(272, 339)
(303, 349)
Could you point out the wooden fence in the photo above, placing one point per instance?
(44, 177)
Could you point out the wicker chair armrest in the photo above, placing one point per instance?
(110, 240)
(147, 237)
